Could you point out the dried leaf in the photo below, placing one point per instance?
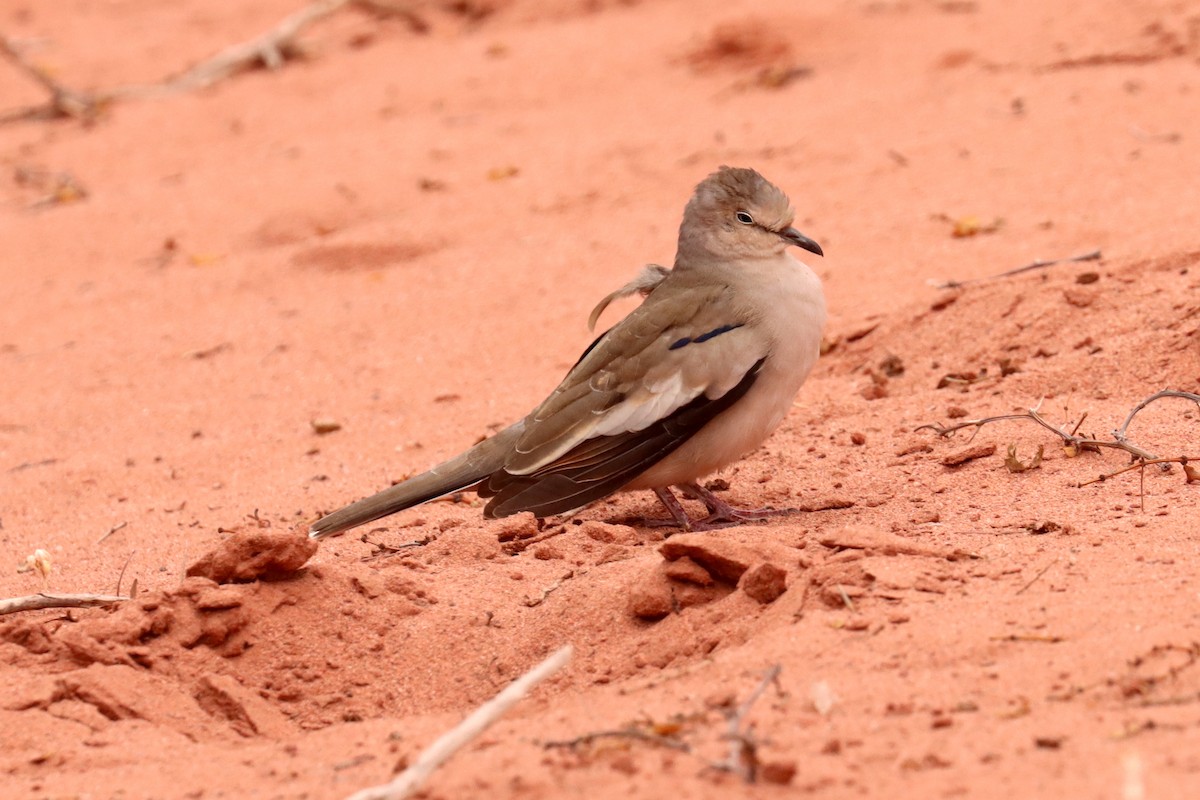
(961, 378)
(502, 173)
(971, 225)
(324, 426)
(1015, 464)
(666, 728)
(39, 562)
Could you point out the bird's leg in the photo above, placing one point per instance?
(723, 515)
(679, 517)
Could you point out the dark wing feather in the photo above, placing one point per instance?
(598, 467)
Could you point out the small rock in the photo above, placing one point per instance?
(609, 534)
(945, 301)
(873, 540)
(254, 555)
(723, 559)
(777, 772)
(216, 598)
(1080, 298)
(518, 526)
(959, 457)
(547, 552)
(825, 503)
(764, 582)
(913, 445)
(688, 571)
(650, 598)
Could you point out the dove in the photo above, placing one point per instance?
(690, 381)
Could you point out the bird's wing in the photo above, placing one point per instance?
(641, 390)
(602, 465)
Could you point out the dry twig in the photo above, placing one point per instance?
(1119, 433)
(271, 49)
(1075, 444)
(1037, 577)
(42, 600)
(383, 550)
(743, 747)
(1039, 264)
(455, 739)
(625, 733)
(63, 102)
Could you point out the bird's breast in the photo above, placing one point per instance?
(791, 312)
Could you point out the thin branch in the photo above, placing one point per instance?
(1094, 255)
(42, 600)
(626, 733)
(1119, 433)
(1037, 577)
(743, 748)
(271, 49)
(64, 101)
(1080, 443)
(455, 739)
(1141, 457)
(1140, 464)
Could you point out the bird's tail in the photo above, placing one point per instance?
(461, 472)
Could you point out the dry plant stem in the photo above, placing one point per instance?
(1079, 442)
(1037, 577)
(629, 733)
(270, 49)
(743, 758)
(1094, 255)
(41, 600)
(1119, 433)
(455, 739)
(64, 102)
(1140, 464)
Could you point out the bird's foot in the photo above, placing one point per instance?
(723, 515)
(720, 513)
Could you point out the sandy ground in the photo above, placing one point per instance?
(403, 234)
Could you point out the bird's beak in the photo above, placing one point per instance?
(793, 236)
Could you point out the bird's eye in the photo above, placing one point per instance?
(745, 218)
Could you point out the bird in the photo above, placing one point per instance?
(693, 379)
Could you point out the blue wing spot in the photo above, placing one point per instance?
(681, 343)
(704, 337)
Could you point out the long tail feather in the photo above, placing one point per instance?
(461, 472)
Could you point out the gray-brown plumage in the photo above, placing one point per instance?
(693, 379)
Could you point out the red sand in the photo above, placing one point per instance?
(405, 233)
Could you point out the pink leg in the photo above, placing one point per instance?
(679, 517)
(720, 513)
(723, 515)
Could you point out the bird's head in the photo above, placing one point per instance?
(737, 213)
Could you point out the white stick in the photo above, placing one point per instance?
(456, 738)
(51, 600)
